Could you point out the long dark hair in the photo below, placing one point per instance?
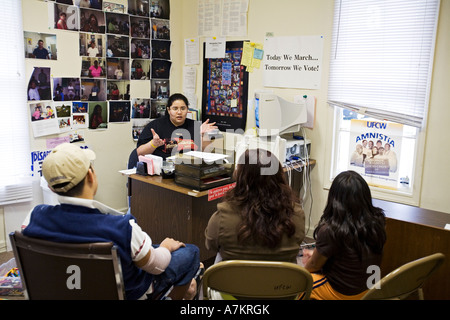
(349, 214)
(263, 197)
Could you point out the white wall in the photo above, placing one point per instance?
(282, 18)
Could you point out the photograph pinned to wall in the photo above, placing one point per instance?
(42, 111)
(98, 115)
(79, 107)
(76, 136)
(80, 120)
(40, 45)
(119, 111)
(43, 119)
(118, 90)
(93, 4)
(160, 69)
(160, 89)
(113, 7)
(93, 89)
(140, 27)
(158, 108)
(160, 9)
(66, 89)
(161, 49)
(117, 46)
(64, 17)
(140, 108)
(92, 45)
(140, 69)
(64, 116)
(93, 67)
(92, 21)
(118, 68)
(140, 48)
(39, 87)
(137, 126)
(117, 23)
(138, 8)
(160, 29)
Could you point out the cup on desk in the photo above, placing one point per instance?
(167, 169)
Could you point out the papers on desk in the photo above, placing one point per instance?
(205, 156)
(128, 172)
(447, 226)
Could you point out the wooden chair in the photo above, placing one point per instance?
(405, 280)
(248, 279)
(67, 271)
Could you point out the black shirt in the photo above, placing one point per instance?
(185, 137)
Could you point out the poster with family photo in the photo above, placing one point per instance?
(66, 89)
(160, 9)
(64, 17)
(93, 67)
(43, 119)
(93, 89)
(117, 23)
(140, 69)
(118, 69)
(40, 45)
(92, 45)
(98, 115)
(39, 87)
(92, 21)
(119, 111)
(374, 146)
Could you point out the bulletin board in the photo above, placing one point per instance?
(225, 89)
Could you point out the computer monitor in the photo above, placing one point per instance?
(276, 116)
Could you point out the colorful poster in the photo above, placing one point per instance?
(374, 150)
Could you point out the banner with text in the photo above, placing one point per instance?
(293, 62)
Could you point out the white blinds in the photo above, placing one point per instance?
(15, 163)
(381, 58)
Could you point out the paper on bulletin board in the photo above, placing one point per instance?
(252, 55)
(215, 48)
(191, 51)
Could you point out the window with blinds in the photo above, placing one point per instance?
(15, 162)
(380, 74)
(381, 58)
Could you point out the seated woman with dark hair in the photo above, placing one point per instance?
(260, 218)
(349, 238)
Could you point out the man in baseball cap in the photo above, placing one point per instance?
(149, 271)
(66, 166)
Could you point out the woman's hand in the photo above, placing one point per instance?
(206, 126)
(156, 141)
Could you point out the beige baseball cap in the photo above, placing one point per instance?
(67, 163)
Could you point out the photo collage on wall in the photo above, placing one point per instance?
(118, 44)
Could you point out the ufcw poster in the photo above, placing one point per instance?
(374, 146)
